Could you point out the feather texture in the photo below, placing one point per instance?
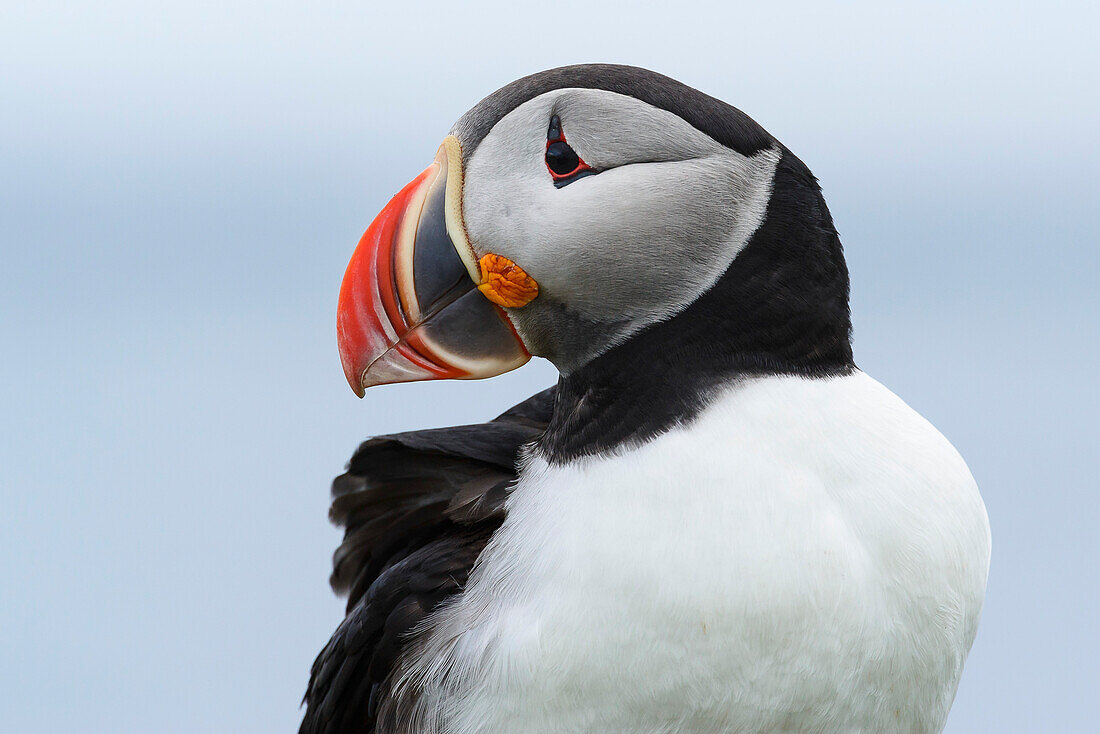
(418, 509)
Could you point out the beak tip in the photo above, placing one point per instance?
(356, 383)
(353, 376)
(357, 387)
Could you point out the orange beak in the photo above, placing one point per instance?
(410, 308)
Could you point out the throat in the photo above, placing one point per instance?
(627, 397)
(781, 308)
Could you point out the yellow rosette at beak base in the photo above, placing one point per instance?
(505, 283)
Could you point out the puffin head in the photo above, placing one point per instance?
(608, 219)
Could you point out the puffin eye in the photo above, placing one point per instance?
(564, 164)
(561, 159)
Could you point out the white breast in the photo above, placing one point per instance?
(806, 556)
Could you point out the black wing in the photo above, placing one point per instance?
(418, 509)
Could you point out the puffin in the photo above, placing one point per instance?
(713, 522)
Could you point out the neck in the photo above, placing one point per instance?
(781, 308)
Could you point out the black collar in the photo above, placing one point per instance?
(781, 308)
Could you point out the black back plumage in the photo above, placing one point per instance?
(417, 508)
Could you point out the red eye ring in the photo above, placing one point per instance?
(563, 163)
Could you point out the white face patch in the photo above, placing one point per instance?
(669, 211)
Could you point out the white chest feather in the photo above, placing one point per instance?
(806, 556)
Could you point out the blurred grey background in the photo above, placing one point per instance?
(182, 186)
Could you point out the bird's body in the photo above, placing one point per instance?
(714, 523)
(803, 557)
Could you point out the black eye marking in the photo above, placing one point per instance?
(562, 161)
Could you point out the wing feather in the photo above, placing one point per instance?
(417, 508)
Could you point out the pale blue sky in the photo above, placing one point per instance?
(182, 187)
